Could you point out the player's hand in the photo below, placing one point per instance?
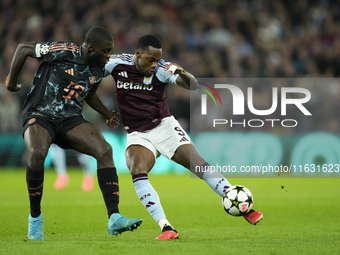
(113, 122)
(174, 68)
(12, 88)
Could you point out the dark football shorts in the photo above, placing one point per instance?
(56, 128)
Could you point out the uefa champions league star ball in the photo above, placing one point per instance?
(237, 200)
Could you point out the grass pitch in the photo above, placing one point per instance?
(300, 217)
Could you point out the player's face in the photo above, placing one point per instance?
(147, 60)
(100, 55)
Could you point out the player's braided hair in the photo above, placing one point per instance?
(97, 36)
(149, 40)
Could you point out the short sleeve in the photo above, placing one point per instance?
(54, 51)
(163, 75)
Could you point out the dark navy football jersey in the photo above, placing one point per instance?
(142, 100)
(61, 83)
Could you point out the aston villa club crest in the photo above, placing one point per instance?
(147, 80)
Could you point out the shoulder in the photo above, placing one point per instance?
(55, 48)
(58, 46)
(162, 64)
(64, 46)
(163, 75)
(116, 59)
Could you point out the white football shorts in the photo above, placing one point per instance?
(163, 139)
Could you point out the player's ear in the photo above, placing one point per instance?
(138, 53)
(90, 48)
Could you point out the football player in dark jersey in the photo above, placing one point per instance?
(68, 75)
(142, 80)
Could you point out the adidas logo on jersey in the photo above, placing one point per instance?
(123, 73)
(70, 71)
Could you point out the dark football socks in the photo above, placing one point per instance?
(35, 183)
(108, 183)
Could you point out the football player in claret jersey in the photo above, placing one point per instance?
(52, 113)
(142, 80)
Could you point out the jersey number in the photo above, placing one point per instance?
(72, 90)
(181, 133)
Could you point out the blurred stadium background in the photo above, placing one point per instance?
(211, 39)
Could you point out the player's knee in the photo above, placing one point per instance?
(104, 152)
(138, 167)
(37, 155)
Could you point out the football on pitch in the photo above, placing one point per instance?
(237, 200)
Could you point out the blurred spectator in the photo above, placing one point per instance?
(9, 112)
(215, 39)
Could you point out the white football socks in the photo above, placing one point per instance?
(149, 198)
(215, 180)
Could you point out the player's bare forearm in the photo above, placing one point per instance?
(185, 79)
(96, 104)
(23, 51)
(112, 116)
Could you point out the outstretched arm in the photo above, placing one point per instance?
(185, 79)
(23, 51)
(112, 116)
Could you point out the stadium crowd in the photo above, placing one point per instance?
(209, 38)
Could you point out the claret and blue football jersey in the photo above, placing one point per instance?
(142, 100)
